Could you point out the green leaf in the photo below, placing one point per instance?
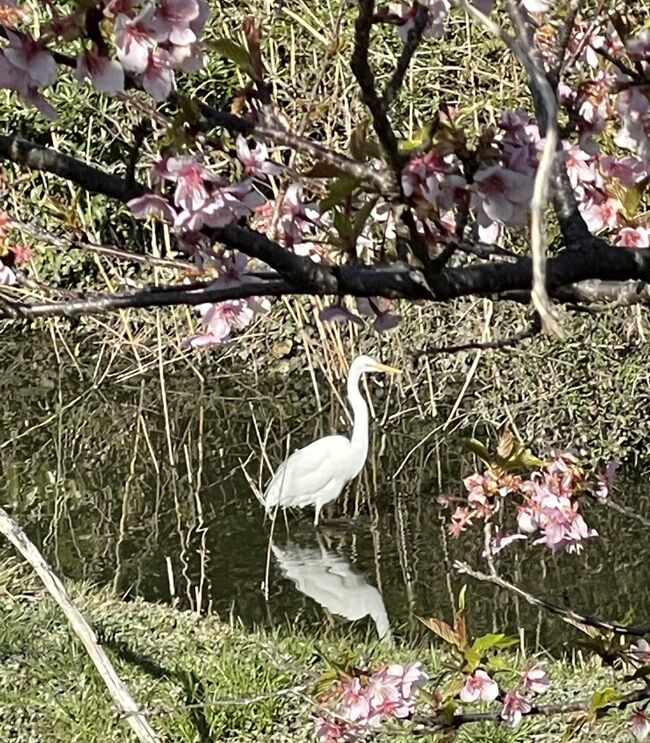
(460, 629)
(489, 641)
(232, 51)
(472, 659)
(603, 697)
(372, 149)
(421, 139)
(518, 458)
(342, 223)
(476, 447)
(361, 217)
(339, 190)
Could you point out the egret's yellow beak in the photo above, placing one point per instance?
(387, 369)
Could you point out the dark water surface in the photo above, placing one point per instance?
(140, 478)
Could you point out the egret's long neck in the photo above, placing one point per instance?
(360, 410)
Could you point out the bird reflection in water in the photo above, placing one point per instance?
(334, 583)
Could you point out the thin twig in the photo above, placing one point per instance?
(528, 55)
(569, 614)
(426, 724)
(495, 345)
(49, 238)
(413, 40)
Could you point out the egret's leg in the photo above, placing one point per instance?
(316, 513)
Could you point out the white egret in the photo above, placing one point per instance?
(317, 473)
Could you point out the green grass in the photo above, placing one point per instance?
(193, 676)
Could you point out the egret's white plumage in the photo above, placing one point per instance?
(316, 474)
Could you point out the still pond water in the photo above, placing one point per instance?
(141, 479)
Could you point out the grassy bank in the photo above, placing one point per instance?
(201, 679)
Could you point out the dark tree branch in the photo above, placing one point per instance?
(378, 107)
(610, 294)
(291, 266)
(95, 180)
(365, 78)
(410, 47)
(586, 261)
(150, 297)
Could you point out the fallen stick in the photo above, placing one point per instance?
(115, 686)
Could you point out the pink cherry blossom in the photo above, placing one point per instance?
(580, 165)
(22, 253)
(536, 680)
(172, 21)
(515, 706)
(19, 80)
(106, 75)
(225, 205)
(409, 678)
(10, 14)
(255, 160)
(220, 319)
(638, 47)
(501, 541)
(502, 195)
(641, 650)
(599, 210)
(152, 205)
(519, 142)
(339, 314)
(385, 698)
(198, 24)
(134, 39)
(639, 724)
(633, 108)
(628, 170)
(460, 520)
(633, 237)
(158, 76)
(381, 310)
(354, 702)
(437, 11)
(116, 7)
(190, 177)
(31, 58)
(328, 730)
(186, 58)
(433, 179)
(479, 685)
(298, 219)
(526, 520)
